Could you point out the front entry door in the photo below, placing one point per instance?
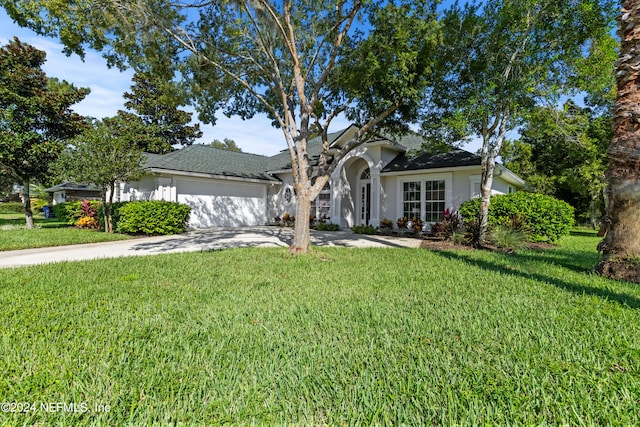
(365, 203)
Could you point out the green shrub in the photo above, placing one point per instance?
(327, 226)
(70, 212)
(152, 218)
(364, 229)
(11, 207)
(545, 218)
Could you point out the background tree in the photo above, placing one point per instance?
(502, 59)
(301, 62)
(6, 184)
(621, 246)
(100, 157)
(35, 116)
(563, 153)
(153, 121)
(226, 144)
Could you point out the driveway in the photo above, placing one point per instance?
(197, 240)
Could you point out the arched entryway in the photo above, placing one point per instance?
(356, 190)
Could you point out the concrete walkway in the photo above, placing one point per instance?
(197, 240)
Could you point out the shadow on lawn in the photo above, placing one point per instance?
(19, 220)
(578, 261)
(213, 239)
(621, 298)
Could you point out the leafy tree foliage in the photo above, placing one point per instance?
(301, 62)
(154, 123)
(35, 116)
(563, 153)
(501, 59)
(101, 157)
(226, 144)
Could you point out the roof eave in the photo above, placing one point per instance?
(430, 170)
(211, 175)
(510, 177)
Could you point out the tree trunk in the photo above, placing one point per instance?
(301, 233)
(486, 182)
(26, 201)
(107, 209)
(621, 245)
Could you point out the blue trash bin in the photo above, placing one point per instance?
(47, 211)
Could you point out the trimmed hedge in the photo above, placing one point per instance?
(152, 218)
(70, 212)
(11, 207)
(18, 207)
(546, 218)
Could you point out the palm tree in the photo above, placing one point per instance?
(621, 246)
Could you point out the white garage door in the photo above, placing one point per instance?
(221, 203)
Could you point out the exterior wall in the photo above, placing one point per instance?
(460, 185)
(59, 197)
(145, 189)
(213, 202)
(277, 205)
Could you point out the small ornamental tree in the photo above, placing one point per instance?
(101, 158)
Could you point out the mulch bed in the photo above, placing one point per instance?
(435, 244)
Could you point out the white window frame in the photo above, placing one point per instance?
(423, 178)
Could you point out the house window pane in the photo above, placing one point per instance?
(411, 199)
(434, 200)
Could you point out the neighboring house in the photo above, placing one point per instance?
(376, 180)
(69, 192)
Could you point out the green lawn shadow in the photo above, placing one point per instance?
(579, 289)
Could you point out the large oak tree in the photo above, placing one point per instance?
(35, 116)
(303, 63)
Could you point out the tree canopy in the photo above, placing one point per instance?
(563, 153)
(35, 116)
(226, 144)
(153, 121)
(501, 59)
(101, 157)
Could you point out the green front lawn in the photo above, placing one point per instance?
(47, 232)
(340, 337)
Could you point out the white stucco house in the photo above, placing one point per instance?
(379, 179)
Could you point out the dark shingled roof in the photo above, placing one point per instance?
(213, 161)
(433, 161)
(71, 186)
